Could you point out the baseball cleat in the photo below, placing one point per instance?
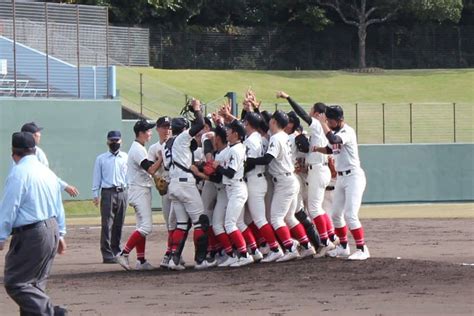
(205, 265)
(221, 257)
(257, 256)
(360, 254)
(322, 251)
(174, 266)
(123, 261)
(273, 256)
(165, 261)
(145, 266)
(290, 254)
(265, 250)
(228, 261)
(339, 251)
(307, 252)
(243, 261)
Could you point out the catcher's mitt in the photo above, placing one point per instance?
(208, 169)
(161, 184)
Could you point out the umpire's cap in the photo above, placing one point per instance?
(142, 126)
(334, 112)
(23, 140)
(281, 118)
(253, 119)
(237, 127)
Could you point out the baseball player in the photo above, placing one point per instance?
(232, 171)
(318, 171)
(286, 187)
(350, 183)
(257, 182)
(186, 202)
(163, 128)
(139, 177)
(298, 205)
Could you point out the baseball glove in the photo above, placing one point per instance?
(161, 184)
(302, 143)
(208, 169)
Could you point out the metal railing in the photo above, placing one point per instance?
(65, 51)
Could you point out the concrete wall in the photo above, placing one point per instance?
(75, 133)
(418, 172)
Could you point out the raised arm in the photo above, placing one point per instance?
(198, 123)
(296, 107)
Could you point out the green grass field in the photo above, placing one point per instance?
(432, 93)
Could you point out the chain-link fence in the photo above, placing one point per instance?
(388, 46)
(59, 50)
(394, 123)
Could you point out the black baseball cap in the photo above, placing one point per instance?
(281, 118)
(163, 121)
(23, 140)
(142, 126)
(114, 135)
(237, 127)
(31, 128)
(253, 119)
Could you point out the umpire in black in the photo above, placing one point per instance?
(32, 212)
(109, 182)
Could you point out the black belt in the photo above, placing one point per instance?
(20, 229)
(229, 185)
(115, 189)
(343, 173)
(330, 188)
(311, 166)
(258, 175)
(183, 179)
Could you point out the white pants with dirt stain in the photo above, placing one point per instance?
(285, 191)
(234, 216)
(140, 199)
(185, 202)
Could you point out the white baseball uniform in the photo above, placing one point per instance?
(218, 216)
(286, 187)
(319, 174)
(350, 183)
(256, 181)
(153, 151)
(236, 189)
(139, 192)
(185, 198)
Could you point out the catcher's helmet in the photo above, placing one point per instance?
(334, 112)
(179, 124)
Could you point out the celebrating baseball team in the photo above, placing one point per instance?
(259, 188)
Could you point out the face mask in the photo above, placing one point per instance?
(114, 147)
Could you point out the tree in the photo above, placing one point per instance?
(363, 13)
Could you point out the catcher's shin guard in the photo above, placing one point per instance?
(180, 248)
(313, 235)
(201, 238)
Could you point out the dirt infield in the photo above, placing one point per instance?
(428, 278)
